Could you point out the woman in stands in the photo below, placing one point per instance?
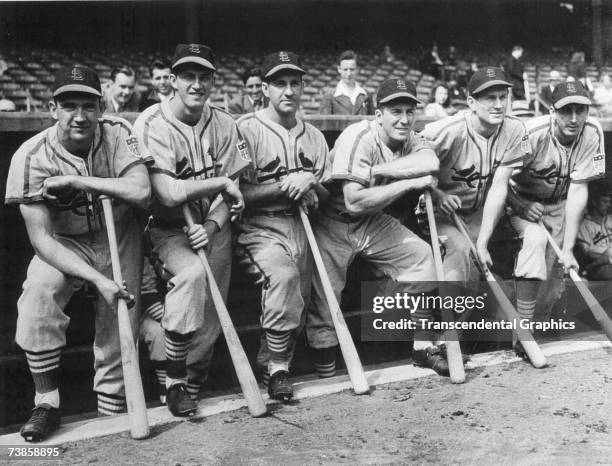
(439, 102)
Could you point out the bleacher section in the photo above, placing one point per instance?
(29, 74)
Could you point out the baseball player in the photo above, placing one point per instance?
(197, 150)
(352, 222)
(594, 240)
(290, 163)
(567, 153)
(348, 97)
(55, 178)
(478, 149)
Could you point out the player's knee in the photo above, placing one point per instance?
(285, 275)
(192, 275)
(535, 239)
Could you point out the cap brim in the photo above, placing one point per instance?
(399, 95)
(572, 99)
(76, 88)
(195, 60)
(278, 68)
(488, 84)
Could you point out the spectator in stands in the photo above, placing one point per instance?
(432, 64)
(7, 105)
(120, 94)
(388, 55)
(439, 102)
(594, 240)
(451, 58)
(515, 72)
(545, 95)
(577, 70)
(603, 96)
(348, 97)
(160, 83)
(253, 98)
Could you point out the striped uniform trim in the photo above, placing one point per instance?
(111, 405)
(325, 370)
(278, 342)
(155, 311)
(160, 373)
(265, 377)
(193, 389)
(177, 346)
(525, 308)
(43, 361)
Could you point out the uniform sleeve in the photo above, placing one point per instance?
(322, 167)
(592, 159)
(249, 174)
(26, 175)
(518, 147)
(440, 141)
(155, 143)
(231, 152)
(127, 150)
(353, 157)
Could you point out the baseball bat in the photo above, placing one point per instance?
(255, 402)
(453, 349)
(598, 311)
(134, 394)
(537, 358)
(347, 346)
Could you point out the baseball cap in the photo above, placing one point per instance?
(394, 88)
(278, 61)
(77, 78)
(194, 53)
(570, 93)
(486, 78)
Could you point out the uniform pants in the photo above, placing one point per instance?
(383, 241)
(41, 322)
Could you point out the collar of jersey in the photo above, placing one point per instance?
(297, 129)
(374, 128)
(165, 107)
(475, 133)
(57, 145)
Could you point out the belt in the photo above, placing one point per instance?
(155, 222)
(271, 213)
(338, 214)
(549, 201)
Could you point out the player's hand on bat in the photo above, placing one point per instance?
(310, 201)
(483, 254)
(533, 211)
(295, 185)
(56, 187)
(197, 236)
(569, 261)
(111, 292)
(447, 203)
(232, 194)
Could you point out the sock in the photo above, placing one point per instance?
(423, 338)
(193, 389)
(44, 367)
(177, 346)
(111, 405)
(51, 398)
(279, 345)
(324, 360)
(152, 306)
(160, 373)
(526, 298)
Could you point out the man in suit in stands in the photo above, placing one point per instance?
(160, 83)
(121, 95)
(348, 98)
(516, 74)
(545, 95)
(253, 98)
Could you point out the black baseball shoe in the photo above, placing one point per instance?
(520, 351)
(280, 388)
(44, 421)
(179, 402)
(433, 357)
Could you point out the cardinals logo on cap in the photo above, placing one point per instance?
(401, 84)
(193, 48)
(77, 75)
(490, 72)
(571, 88)
(282, 56)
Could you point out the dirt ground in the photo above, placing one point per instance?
(505, 414)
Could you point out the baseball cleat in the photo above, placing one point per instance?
(44, 421)
(280, 388)
(179, 402)
(433, 357)
(520, 351)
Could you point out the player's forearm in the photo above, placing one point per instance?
(492, 210)
(219, 213)
(173, 193)
(371, 200)
(575, 205)
(258, 195)
(412, 166)
(134, 189)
